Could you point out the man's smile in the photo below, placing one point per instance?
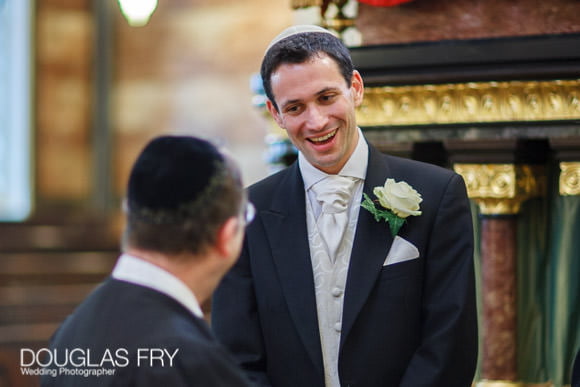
(322, 139)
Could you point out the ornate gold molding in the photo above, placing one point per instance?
(500, 189)
(305, 3)
(471, 102)
(498, 383)
(570, 178)
(501, 383)
(338, 23)
(335, 20)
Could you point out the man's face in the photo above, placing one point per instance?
(317, 109)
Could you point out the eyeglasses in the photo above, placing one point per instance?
(249, 212)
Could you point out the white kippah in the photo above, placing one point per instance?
(297, 29)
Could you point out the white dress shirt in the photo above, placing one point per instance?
(355, 167)
(140, 272)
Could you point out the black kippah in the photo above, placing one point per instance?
(171, 174)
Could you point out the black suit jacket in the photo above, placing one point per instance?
(127, 320)
(409, 324)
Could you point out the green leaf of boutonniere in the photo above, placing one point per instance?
(395, 222)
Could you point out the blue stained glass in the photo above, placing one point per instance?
(15, 155)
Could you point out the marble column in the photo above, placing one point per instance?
(498, 251)
(499, 190)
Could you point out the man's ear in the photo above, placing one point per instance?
(228, 237)
(275, 114)
(357, 87)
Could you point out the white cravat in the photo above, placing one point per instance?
(333, 193)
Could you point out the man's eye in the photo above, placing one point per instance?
(328, 97)
(292, 109)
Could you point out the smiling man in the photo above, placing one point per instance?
(318, 114)
(323, 293)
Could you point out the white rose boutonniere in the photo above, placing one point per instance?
(399, 201)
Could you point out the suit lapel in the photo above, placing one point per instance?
(288, 237)
(371, 244)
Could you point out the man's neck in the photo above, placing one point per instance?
(190, 269)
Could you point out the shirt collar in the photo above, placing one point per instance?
(356, 166)
(140, 272)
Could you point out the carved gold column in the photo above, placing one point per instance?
(567, 151)
(335, 15)
(569, 181)
(499, 190)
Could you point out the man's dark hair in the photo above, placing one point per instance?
(180, 192)
(300, 48)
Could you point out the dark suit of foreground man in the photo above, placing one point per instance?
(405, 314)
(143, 326)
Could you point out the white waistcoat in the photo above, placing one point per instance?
(329, 283)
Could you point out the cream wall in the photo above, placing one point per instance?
(188, 71)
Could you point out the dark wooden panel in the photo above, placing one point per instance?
(71, 237)
(533, 57)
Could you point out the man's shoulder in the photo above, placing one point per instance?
(129, 307)
(402, 167)
(416, 165)
(428, 179)
(273, 181)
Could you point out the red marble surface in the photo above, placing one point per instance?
(498, 257)
(433, 20)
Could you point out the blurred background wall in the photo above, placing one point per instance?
(101, 89)
(187, 71)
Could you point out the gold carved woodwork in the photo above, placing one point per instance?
(569, 178)
(501, 383)
(337, 22)
(471, 102)
(498, 383)
(500, 189)
(305, 3)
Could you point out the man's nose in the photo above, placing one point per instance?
(316, 117)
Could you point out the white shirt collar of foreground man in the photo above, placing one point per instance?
(139, 272)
